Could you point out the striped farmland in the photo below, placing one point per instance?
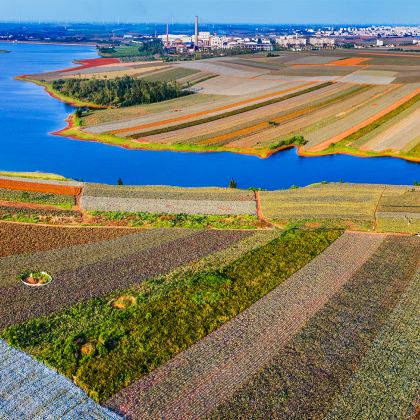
(198, 380)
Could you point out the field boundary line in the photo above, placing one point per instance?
(375, 225)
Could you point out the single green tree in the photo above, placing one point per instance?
(232, 183)
(120, 181)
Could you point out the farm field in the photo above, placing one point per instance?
(373, 122)
(228, 343)
(202, 300)
(383, 208)
(172, 322)
(351, 206)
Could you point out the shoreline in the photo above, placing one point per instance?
(75, 132)
(261, 153)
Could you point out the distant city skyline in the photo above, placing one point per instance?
(216, 11)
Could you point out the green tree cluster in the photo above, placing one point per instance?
(119, 92)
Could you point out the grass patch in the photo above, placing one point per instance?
(167, 318)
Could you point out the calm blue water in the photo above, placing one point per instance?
(28, 115)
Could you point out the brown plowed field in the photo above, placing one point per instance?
(18, 238)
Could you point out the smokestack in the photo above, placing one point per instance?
(167, 35)
(196, 30)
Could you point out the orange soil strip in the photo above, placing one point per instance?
(353, 61)
(92, 62)
(363, 124)
(260, 215)
(209, 111)
(39, 187)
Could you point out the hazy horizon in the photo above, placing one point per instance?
(300, 12)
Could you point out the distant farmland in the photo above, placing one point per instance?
(340, 102)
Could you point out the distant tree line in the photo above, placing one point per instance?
(119, 92)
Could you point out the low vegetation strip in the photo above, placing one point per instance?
(59, 200)
(49, 187)
(315, 367)
(20, 303)
(166, 314)
(22, 212)
(21, 239)
(386, 383)
(180, 220)
(219, 109)
(202, 377)
(136, 205)
(28, 389)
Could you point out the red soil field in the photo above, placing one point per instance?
(39, 187)
(91, 62)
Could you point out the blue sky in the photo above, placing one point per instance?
(232, 11)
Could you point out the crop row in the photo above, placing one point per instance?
(28, 389)
(21, 239)
(141, 205)
(64, 201)
(37, 215)
(324, 201)
(229, 113)
(250, 118)
(73, 257)
(199, 379)
(301, 121)
(386, 383)
(306, 377)
(162, 220)
(167, 193)
(163, 319)
(19, 303)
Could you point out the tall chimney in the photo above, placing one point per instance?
(167, 35)
(196, 30)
